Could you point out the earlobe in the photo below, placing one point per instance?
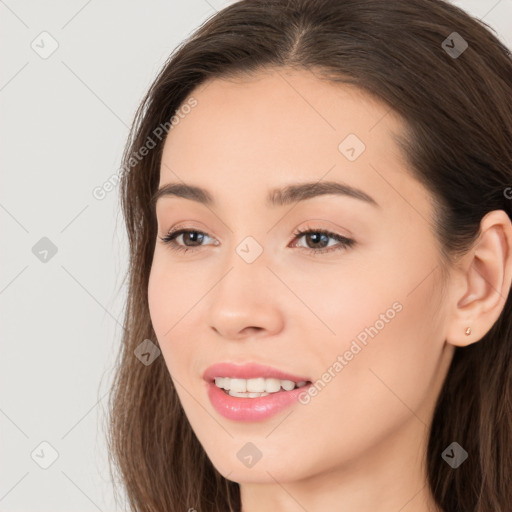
(483, 281)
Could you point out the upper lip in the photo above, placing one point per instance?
(248, 371)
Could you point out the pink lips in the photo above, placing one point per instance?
(250, 409)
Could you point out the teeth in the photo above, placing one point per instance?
(238, 385)
(255, 385)
(247, 395)
(254, 388)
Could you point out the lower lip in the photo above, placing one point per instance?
(252, 409)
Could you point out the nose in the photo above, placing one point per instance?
(245, 303)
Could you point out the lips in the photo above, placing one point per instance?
(249, 371)
(253, 409)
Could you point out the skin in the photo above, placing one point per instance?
(360, 443)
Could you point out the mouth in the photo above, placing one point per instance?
(253, 406)
(256, 387)
(252, 378)
(252, 392)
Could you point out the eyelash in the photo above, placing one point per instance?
(343, 241)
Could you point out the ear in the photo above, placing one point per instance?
(482, 281)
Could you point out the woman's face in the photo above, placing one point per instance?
(363, 321)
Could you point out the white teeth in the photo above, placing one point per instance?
(287, 385)
(221, 382)
(238, 385)
(272, 385)
(256, 387)
(246, 395)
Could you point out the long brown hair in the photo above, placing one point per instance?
(458, 114)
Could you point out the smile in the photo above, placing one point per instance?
(255, 388)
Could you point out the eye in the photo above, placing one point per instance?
(187, 234)
(320, 237)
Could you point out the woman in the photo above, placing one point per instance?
(317, 198)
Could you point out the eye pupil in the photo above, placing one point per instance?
(193, 234)
(317, 237)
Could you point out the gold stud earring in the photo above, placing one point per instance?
(468, 331)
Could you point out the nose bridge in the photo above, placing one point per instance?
(246, 275)
(243, 298)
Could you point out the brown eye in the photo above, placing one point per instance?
(317, 240)
(194, 237)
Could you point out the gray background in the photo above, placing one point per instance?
(64, 121)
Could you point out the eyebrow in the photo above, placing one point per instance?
(276, 197)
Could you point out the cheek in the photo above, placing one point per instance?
(158, 299)
(166, 307)
(171, 293)
(387, 331)
(174, 301)
(390, 357)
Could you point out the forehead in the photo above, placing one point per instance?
(289, 96)
(258, 132)
(275, 109)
